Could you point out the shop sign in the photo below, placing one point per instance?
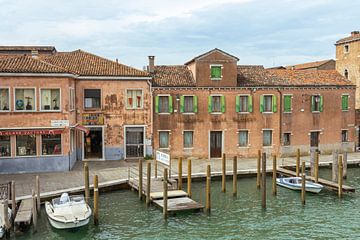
(59, 123)
(31, 132)
(163, 157)
(93, 119)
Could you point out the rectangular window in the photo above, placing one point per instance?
(244, 103)
(72, 99)
(344, 135)
(314, 139)
(346, 48)
(216, 72)
(92, 98)
(216, 104)
(287, 137)
(287, 103)
(4, 99)
(51, 144)
(163, 104)
(50, 99)
(163, 139)
(267, 138)
(188, 104)
(25, 145)
(268, 103)
(188, 139)
(345, 102)
(243, 138)
(5, 146)
(134, 99)
(317, 103)
(25, 99)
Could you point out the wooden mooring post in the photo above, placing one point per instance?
(303, 183)
(258, 174)
(13, 201)
(263, 181)
(223, 176)
(312, 162)
(180, 173)
(189, 178)
(274, 190)
(298, 162)
(165, 194)
(155, 168)
(86, 182)
(345, 157)
(140, 178)
(235, 176)
(335, 166)
(34, 211)
(5, 214)
(96, 200)
(316, 167)
(208, 189)
(340, 176)
(148, 183)
(38, 193)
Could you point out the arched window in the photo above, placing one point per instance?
(346, 74)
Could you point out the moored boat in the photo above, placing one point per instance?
(68, 212)
(294, 183)
(2, 222)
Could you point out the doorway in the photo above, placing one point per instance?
(314, 139)
(215, 144)
(93, 143)
(134, 142)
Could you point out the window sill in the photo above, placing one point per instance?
(5, 157)
(27, 156)
(244, 147)
(345, 110)
(188, 148)
(52, 155)
(216, 79)
(4, 111)
(164, 148)
(92, 109)
(267, 112)
(216, 113)
(140, 108)
(22, 111)
(315, 111)
(50, 110)
(164, 113)
(188, 113)
(267, 146)
(244, 112)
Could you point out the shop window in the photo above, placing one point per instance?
(244, 103)
(188, 104)
(163, 139)
(188, 139)
(5, 146)
(50, 99)
(92, 98)
(25, 99)
(51, 144)
(216, 72)
(287, 103)
(344, 135)
(317, 103)
(216, 104)
(267, 138)
(163, 104)
(243, 138)
(25, 145)
(4, 99)
(286, 139)
(134, 99)
(72, 99)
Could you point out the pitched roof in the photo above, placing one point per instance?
(258, 76)
(307, 65)
(27, 48)
(355, 36)
(211, 51)
(173, 76)
(87, 64)
(27, 64)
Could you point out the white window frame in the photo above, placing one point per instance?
(163, 95)
(217, 95)
(60, 105)
(53, 155)
(142, 98)
(272, 137)
(271, 95)
(189, 113)
(183, 133)
(248, 138)
(283, 103)
(72, 97)
(101, 100)
(35, 99)
(217, 65)
(144, 138)
(244, 95)
(9, 103)
(169, 131)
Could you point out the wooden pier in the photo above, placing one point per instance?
(326, 183)
(24, 213)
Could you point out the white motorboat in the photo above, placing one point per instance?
(294, 183)
(68, 212)
(2, 222)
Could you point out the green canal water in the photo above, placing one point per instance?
(123, 216)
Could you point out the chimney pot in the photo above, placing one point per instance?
(354, 33)
(151, 64)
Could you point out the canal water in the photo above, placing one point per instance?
(123, 216)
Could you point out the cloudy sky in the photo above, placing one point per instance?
(266, 32)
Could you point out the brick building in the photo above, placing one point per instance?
(61, 106)
(210, 105)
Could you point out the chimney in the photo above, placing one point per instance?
(34, 53)
(151, 64)
(117, 60)
(355, 33)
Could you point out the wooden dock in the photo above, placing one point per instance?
(24, 213)
(326, 183)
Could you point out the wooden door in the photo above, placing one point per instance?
(215, 144)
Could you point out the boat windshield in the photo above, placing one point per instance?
(64, 199)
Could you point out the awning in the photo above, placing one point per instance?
(82, 128)
(30, 132)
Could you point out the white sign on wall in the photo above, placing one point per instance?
(163, 158)
(59, 123)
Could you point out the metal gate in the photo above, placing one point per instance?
(134, 142)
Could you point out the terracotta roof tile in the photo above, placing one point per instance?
(213, 50)
(355, 36)
(174, 76)
(308, 65)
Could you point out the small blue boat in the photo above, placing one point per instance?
(294, 183)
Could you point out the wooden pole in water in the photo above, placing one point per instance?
(345, 165)
(263, 181)
(340, 176)
(223, 179)
(258, 174)
(86, 181)
(140, 178)
(316, 167)
(303, 183)
(189, 178)
(13, 200)
(165, 193)
(38, 193)
(180, 173)
(312, 163)
(148, 183)
(235, 176)
(208, 189)
(155, 168)
(34, 211)
(96, 200)
(335, 167)
(298, 162)
(274, 190)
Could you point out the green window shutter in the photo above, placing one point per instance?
(321, 103)
(274, 104)
(222, 98)
(287, 103)
(312, 103)
(170, 104)
(237, 103)
(344, 102)
(216, 72)
(262, 103)
(250, 104)
(209, 104)
(182, 104)
(157, 104)
(195, 103)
